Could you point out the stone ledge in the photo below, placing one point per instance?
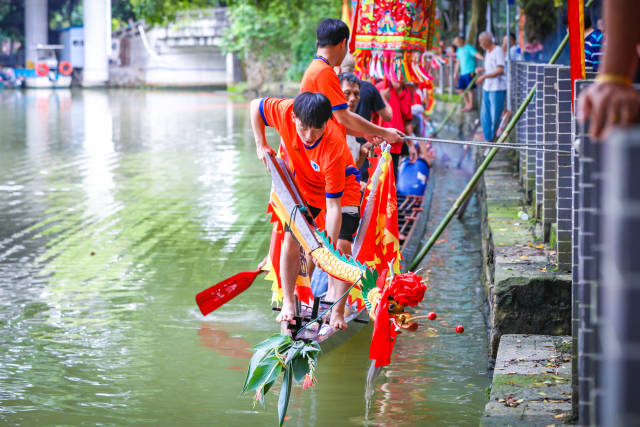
(524, 292)
(531, 382)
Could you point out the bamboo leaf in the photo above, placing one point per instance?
(300, 368)
(263, 372)
(285, 393)
(273, 341)
(255, 361)
(293, 351)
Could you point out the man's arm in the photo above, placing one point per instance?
(333, 220)
(356, 123)
(612, 100)
(257, 125)
(386, 113)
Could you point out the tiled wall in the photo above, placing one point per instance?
(569, 187)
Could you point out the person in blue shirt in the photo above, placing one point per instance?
(594, 38)
(465, 69)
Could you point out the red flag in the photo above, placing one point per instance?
(380, 244)
(384, 334)
(576, 41)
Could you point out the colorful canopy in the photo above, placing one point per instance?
(391, 38)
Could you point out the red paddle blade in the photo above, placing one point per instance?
(223, 292)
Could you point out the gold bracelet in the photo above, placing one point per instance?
(613, 78)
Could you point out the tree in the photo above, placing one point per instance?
(276, 37)
(12, 20)
(478, 21)
(541, 17)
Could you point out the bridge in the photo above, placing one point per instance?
(184, 53)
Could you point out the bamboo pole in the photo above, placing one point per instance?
(476, 176)
(456, 105)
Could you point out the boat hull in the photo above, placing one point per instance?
(47, 83)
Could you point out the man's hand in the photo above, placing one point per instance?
(413, 154)
(480, 79)
(263, 149)
(607, 105)
(392, 135)
(374, 140)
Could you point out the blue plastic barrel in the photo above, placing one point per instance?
(412, 177)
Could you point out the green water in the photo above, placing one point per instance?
(116, 208)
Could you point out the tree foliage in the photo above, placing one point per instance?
(12, 19)
(265, 29)
(541, 17)
(164, 11)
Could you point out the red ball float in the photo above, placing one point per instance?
(432, 316)
(459, 329)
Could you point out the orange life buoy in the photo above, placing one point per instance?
(42, 69)
(65, 68)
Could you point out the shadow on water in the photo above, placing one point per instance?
(117, 207)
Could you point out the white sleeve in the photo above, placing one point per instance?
(499, 57)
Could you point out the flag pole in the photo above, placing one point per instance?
(476, 176)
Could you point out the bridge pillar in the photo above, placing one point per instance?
(35, 28)
(97, 42)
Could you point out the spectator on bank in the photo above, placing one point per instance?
(494, 85)
(593, 37)
(465, 67)
(533, 50)
(612, 100)
(514, 51)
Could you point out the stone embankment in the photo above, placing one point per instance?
(526, 294)
(531, 382)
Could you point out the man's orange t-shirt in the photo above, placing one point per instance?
(320, 77)
(323, 170)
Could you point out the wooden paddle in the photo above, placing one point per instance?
(215, 296)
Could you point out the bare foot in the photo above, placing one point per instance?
(465, 109)
(337, 320)
(287, 313)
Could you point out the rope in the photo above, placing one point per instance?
(489, 144)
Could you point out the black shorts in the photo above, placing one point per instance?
(349, 225)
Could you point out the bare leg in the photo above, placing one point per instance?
(289, 269)
(336, 289)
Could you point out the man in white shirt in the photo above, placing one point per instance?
(494, 85)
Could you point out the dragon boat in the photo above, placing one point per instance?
(412, 213)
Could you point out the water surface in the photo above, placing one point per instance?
(116, 208)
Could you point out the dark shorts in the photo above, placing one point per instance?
(464, 80)
(349, 225)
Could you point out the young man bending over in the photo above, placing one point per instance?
(314, 147)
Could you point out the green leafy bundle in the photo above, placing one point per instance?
(280, 354)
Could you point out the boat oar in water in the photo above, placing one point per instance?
(212, 298)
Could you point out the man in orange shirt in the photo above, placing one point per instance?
(313, 146)
(332, 41)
